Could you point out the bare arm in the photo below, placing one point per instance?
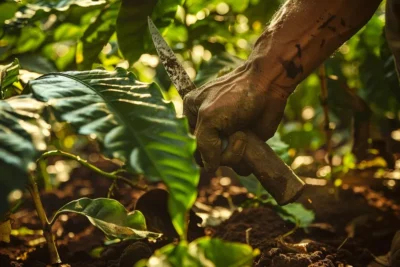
(303, 33)
(301, 36)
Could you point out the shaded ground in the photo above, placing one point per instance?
(368, 214)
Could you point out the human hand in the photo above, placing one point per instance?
(233, 103)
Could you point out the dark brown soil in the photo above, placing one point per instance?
(369, 216)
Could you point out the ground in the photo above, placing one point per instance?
(351, 227)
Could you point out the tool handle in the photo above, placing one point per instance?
(274, 175)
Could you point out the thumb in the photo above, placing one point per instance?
(233, 153)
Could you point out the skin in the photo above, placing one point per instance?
(302, 34)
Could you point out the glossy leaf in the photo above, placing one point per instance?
(204, 251)
(98, 34)
(133, 122)
(132, 30)
(9, 75)
(22, 137)
(111, 217)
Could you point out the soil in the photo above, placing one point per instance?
(351, 226)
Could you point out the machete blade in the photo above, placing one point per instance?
(174, 69)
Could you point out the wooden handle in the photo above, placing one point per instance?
(274, 175)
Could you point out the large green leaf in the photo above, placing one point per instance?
(98, 34)
(204, 251)
(111, 217)
(133, 122)
(132, 31)
(8, 75)
(22, 137)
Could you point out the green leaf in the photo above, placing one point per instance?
(29, 39)
(132, 31)
(298, 214)
(293, 212)
(22, 137)
(217, 66)
(36, 63)
(280, 147)
(252, 185)
(222, 253)
(9, 75)
(98, 34)
(172, 256)
(8, 10)
(204, 251)
(133, 122)
(111, 217)
(30, 13)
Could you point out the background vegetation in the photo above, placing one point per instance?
(357, 122)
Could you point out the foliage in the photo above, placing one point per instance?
(9, 75)
(23, 135)
(293, 212)
(203, 252)
(216, 67)
(111, 217)
(133, 122)
(132, 33)
(98, 34)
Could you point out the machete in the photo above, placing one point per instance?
(274, 175)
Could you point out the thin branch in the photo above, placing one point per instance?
(46, 227)
(324, 103)
(111, 175)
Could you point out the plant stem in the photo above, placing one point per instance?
(112, 175)
(45, 176)
(327, 128)
(48, 235)
(111, 189)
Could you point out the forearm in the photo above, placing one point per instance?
(303, 34)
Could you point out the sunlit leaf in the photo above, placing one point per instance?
(204, 251)
(98, 34)
(9, 75)
(111, 217)
(133, 122)
(132, 30)
(32, 12)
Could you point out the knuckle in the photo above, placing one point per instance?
(187, 99)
